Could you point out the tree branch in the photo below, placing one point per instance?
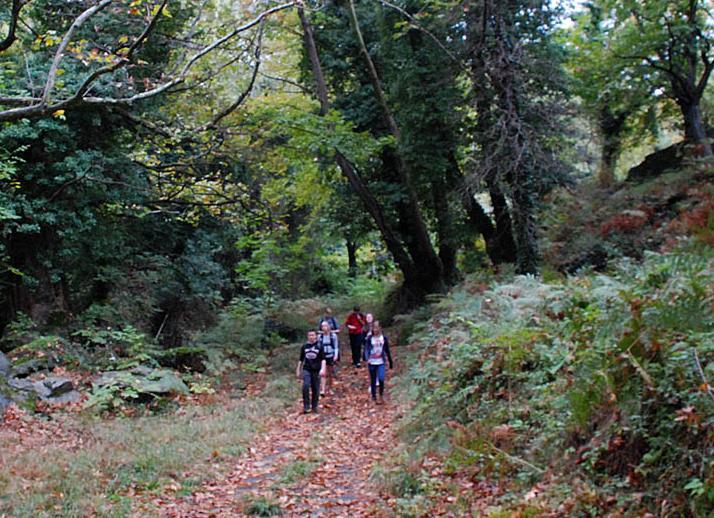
(11, 36)
(52, 74)
(415, 23)
(243, 96)
(42, 108)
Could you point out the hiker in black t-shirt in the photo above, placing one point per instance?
(312, 362)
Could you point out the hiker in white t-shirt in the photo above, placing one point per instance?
(331, 348)
(377, 354)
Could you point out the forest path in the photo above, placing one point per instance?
(307, 465)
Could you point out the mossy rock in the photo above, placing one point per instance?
(145, 380)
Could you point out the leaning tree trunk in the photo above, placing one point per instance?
(425, 258)
(415, 280)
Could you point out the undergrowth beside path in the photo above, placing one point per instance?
(71, 464)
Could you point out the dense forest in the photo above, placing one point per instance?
(520, 190)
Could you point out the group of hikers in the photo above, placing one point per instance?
(321, 352)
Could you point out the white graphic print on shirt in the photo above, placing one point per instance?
(375, 356)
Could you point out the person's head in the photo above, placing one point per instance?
(325, 328)
(355, 309)
(369, 317)
(376, 328)
(312, 336)
(328, 311)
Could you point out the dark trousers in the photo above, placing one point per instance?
(310, 381)
(376, 372)
(356, 346)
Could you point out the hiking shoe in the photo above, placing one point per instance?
(314, 411)
(380, 400)
(305, 410)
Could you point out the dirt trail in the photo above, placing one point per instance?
(309, 465)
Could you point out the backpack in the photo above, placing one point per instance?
(328, 348)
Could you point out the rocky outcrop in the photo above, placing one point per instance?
(16, 388)
(657, 163)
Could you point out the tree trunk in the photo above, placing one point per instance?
(416, 283)
(608, 160)
(525, 229)
(445, 231)
(352, 258)
(611, 123)
(426, 255)
(503, 245)
(694, 131)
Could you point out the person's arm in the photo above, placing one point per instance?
(349, 323)
(323, 362)
(388, 353)
(367, 348)
(300, 362)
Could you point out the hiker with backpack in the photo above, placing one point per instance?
(377, 354)
(312, 363)
(330, 319)
(331, 349)
(354, 324)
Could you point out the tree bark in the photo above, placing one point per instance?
(610, 126)
(694, 131)
(502, 244)
(352, 258)
(525, 230)
(445, 231)
(608, 161)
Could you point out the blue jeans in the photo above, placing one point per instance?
(376, 372)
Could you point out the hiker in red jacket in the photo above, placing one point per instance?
(354, 323)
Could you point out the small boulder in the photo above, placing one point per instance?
(68, 397)
(5, 366)
(49, 389)
(24, 369)
(53, 387)
(4, 403)
(21, 385)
